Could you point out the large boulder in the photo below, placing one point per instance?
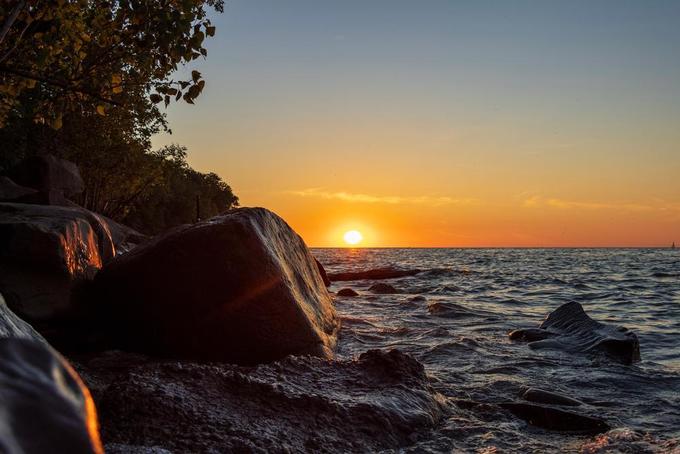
(45, 251)
(241, 287)
(570, 329)
(11, 192)
(55, 179)
(44, 406)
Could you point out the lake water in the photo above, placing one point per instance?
(468, 355)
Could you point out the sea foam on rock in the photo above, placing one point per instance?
(570, 329)
(44, 406)
(240, 287)
(382, 400)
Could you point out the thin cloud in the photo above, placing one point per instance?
(539, 201)
(390, 199)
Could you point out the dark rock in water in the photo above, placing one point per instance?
(376, 274)
(531, 334)
(382, 401)
(449, 310)
(417, 299)
(322, 272)
(10, 191)
(569, 328)
(44, 252)
(241, 287)
(347, 292)
(383, 289)
(44, 406)
(556, 419)
(546, 397)
(56, 179)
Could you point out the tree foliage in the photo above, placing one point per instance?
(124, 180)
(90, 55)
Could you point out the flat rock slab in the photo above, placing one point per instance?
(380, 401)
(556, 419)
(375, 274)
(570, 329)
(241, 287)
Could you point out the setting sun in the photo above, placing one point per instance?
(353, 237)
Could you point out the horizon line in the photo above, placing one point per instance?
(492, 247)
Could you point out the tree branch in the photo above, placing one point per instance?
(10, 19)
(57, 83)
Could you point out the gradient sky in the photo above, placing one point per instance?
(447, 123)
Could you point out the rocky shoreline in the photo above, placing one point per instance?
(215, 337)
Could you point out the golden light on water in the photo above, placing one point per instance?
(353, 237)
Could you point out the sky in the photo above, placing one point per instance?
(446, 123)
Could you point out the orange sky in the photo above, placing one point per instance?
(453, 124)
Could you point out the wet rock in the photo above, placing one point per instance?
(531, 334)
(55, 179)
(322, 272)
(556, 419)
(347, 292)
(381, 401)
(375, 274)
(546, 397)
(10, 191)
(624, 440)
(449, 310)
(241, 287)
(417, 299)
(570, 329)
(383, 289)
(45, 251)
(44, 406)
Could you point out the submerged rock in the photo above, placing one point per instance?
(570, 329)
(347, 292)
(241, 287)
(556, 419)
(45, 251)
(383, 289)
(547, 397)
(375, 274)
(380, 401)
(449, 310)
(44, 406)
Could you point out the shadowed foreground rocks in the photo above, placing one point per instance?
(47, 251)
(570, 329)
(44, 406)
(241, 287)
(380, 401)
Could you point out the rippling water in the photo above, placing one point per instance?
(482, 294)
